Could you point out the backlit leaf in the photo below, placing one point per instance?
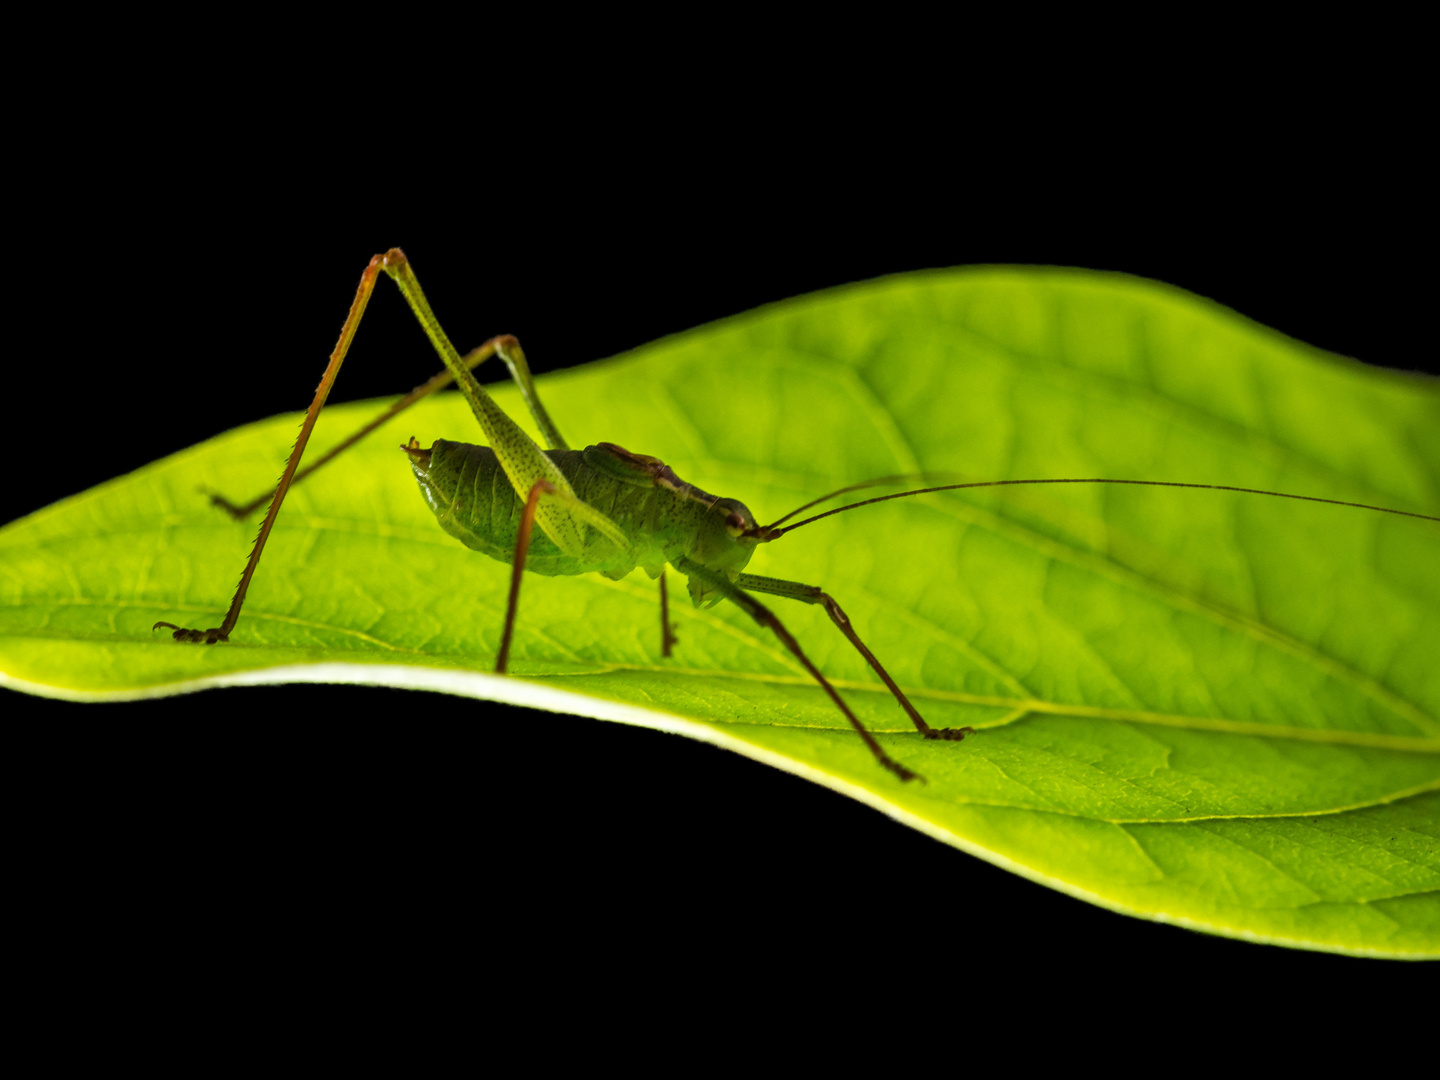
(1209, 708)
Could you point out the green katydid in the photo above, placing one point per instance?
(603, 509)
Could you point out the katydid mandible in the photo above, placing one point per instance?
(600, 510)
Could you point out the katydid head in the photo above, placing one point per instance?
(724, 539)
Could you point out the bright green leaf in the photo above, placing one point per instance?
(1213, 709)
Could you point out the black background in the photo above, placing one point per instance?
(331, 832)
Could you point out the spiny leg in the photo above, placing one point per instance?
(765, 617)
(811, 594)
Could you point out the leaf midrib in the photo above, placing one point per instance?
(1367, 804)
(1018, 707)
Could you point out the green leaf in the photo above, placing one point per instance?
(1208, 708)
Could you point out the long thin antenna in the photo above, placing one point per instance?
(1088, 480)
(882, 481)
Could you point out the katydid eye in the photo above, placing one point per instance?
(734, 523)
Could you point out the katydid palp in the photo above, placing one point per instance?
(603, 509)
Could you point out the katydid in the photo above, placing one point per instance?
(603, 509)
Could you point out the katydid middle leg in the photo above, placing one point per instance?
(517, 569)
(544, 490)
(505, 346)
(668, 640)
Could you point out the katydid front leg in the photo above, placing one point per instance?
(765, 617)
(812, 594)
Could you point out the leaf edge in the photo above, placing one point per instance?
(527, 694)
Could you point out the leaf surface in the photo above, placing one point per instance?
(1208, 708)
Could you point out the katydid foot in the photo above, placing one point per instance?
(950, 734)
(209, 637)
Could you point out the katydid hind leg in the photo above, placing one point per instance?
(813, 594)
(524, 462)
(322, 392)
